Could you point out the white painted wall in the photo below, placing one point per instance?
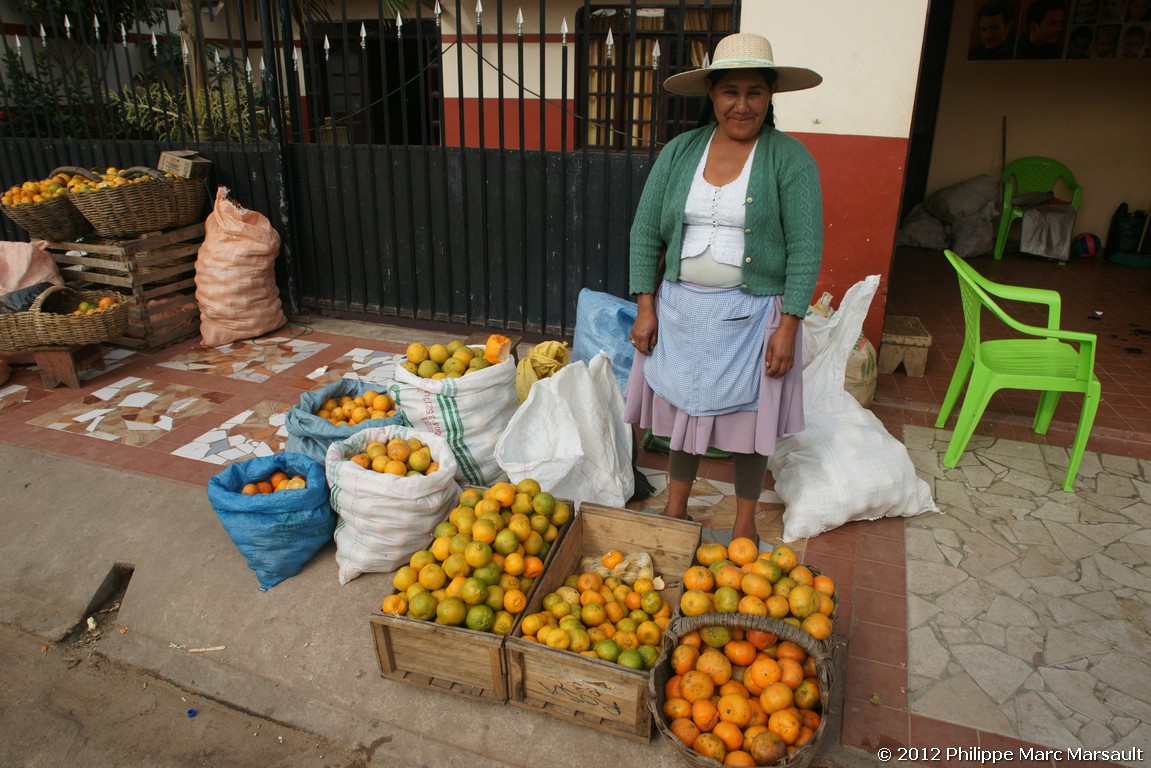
(868, 54)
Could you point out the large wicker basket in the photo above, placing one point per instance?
(662, 672)
(50, 322)
(55, 219)
(132, 209)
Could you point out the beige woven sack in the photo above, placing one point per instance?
(235, 275)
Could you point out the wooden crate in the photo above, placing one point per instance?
(591, 692)
(452, 659)
(905, 340)
(157, 270)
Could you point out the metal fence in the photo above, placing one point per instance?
(421, 160)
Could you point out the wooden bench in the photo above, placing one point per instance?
(63, 365)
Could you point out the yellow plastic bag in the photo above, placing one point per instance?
(543, 361)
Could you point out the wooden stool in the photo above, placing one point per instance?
(62, 365)
(905, 340)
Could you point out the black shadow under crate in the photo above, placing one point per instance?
(158, 270)
(599, 694)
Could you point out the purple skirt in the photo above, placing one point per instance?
(780, 410)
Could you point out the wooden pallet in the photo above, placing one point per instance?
(157, 270)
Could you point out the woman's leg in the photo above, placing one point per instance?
(750, 470)
(681, 470)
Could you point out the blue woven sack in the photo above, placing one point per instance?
(603, 321)
(277, 532)
(311, 435)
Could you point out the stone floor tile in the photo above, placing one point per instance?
(1063, 646)
(919, 611)
(932, 579)
(1008, 612)
(1025, 643)
(979, 476)
(965, 600)
(1122, 574)
(1125, 465)
(1072, 544)
(1039, 724)
(1077, 691)
(1008, 581)
(1027, 531)
(958, 699)
(999, 674)
(926, 654)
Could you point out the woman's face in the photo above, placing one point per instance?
(740, 99)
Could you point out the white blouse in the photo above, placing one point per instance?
(713, 224)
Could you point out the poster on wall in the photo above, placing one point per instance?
(1060, 29)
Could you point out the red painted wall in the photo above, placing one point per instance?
(554, 115)
(862, 180)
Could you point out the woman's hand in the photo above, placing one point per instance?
(779, 357)
(646, 327)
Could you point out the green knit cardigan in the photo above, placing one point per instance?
(784, 220)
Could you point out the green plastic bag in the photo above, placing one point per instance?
(663, 445)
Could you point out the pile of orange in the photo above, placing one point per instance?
(483, 559)
(738, 578)
(444, 361)
(277, 481)
(397, 457)
(90, 308)
(603, 619)
(741, 697)
(348, 411)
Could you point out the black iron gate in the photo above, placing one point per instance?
(424, 161)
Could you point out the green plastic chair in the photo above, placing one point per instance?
(1025, 176)
(1046, 360)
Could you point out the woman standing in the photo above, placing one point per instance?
(725, 251)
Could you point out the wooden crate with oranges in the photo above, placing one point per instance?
(445, 623)
(595, 692)
(158, 270)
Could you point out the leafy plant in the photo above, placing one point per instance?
(41, 101)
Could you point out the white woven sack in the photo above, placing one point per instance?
(470, 413)
(570, 436)
(384, 517)
(844, 465)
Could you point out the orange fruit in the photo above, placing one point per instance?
(805, 735)
(683, 658)
(362, 460)
(611, 558)
(752, 606)
(775, 697)
(672, 688)
(767, 748)
(789, 650)
(533, 566)
(742, 550)
(824, 585)
(801, 574)
(264, 486)
(710, 745)
(696, 685)
(785, 557)
(382, 403)
(397, 604)
(497, 349)
(761, 673)
(704, 714)
(589, 581)
(791, 672)
(677, 708)
(803, 601)
(777, 607)
(734, 686)
(715, 665)
(810, 718)
(729, 734)
(807, 694)
(739, 758)
(693, 603)
(277, 478)
(729, 576)
(817, 625)
(684, 730)
(514, 601)
(740, 652)
(398, 449)
(734, 708)
(710, 552)
(785, 723)
(395, 467)
(761, 639)
(758, 716)
(698, 578)
(251, 489)
(693, 639)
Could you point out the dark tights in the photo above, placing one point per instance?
(750, 471)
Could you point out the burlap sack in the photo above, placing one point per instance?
(235, 275)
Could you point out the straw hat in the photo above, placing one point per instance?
(742, 51)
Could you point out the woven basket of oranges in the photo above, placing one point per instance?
(65, 316)
(773, 681)
(124, 203)
(44, 210)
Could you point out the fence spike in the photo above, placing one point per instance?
(363, 36)
(655, 56)
(437, 11)
(184, 46)
(43, 36)
(67, 27)
(327, 47)
(155, 46)
(610, 42)
(520, 22)
(564, 32)
(248, 67)
(19, 52)
(399, 23)
(479, 12)
(123, 35)
(96, 25)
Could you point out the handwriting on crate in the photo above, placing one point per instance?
(581, 692)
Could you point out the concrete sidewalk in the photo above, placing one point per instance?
(300, 654)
